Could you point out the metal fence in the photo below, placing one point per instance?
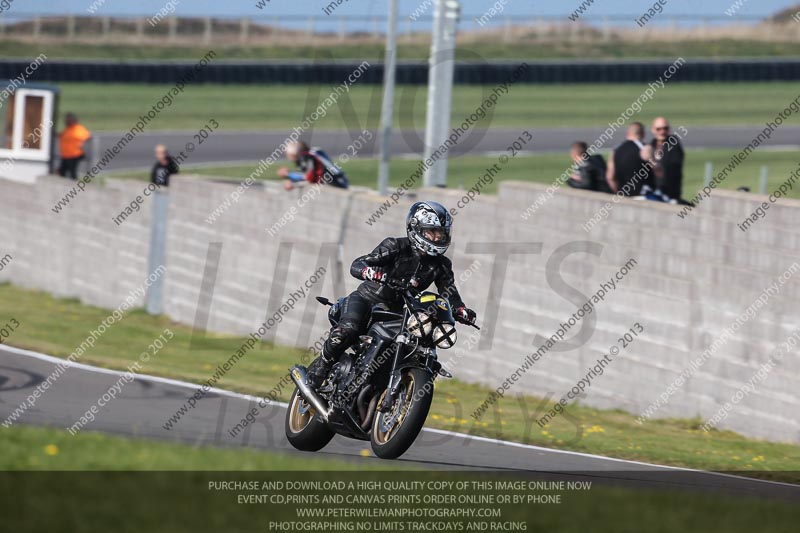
(321, 28)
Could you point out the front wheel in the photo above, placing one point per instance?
(394, 431)
(304, 430)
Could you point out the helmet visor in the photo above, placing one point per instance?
(439, 236)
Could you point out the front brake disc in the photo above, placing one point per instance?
(389, 418)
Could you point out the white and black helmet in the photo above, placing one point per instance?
(428, 225)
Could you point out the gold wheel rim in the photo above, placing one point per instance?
(383, 437)
(298, 420)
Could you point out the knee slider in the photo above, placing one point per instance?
(344, 333)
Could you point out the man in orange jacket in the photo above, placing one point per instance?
(72, 139)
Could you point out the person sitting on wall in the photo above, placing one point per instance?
(590, 170)
(315, 166)
(72, 142)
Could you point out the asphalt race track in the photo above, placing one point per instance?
(222, 146)
(146, 403)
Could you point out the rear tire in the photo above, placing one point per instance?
(304, 430)
(413, 403)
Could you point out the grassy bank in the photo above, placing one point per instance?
(117, 106)
(32, 448)
(721, 48)
(107, 483)
(57, 326)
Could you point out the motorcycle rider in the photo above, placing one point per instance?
(420, 254)
(315, 166)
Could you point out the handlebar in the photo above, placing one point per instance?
(401, 285)
(406, 286)
(466, 323)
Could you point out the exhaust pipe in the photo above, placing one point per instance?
(300, 378)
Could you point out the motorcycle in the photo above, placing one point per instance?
(381, 389)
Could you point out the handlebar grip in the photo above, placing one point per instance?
(397, 284)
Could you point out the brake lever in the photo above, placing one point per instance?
(461, 321)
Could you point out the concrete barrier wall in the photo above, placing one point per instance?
(692, 278)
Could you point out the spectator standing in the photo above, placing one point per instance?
(590, 170)
(667, 158)
(629, 167)
(315, 167)
(72, 142)
(164, 167)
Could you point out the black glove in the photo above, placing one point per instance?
(465, 315)
(401, 284)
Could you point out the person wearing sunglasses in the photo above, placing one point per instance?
(667, 158)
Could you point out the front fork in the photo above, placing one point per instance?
(394, 381)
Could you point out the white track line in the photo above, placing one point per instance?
(231, 394)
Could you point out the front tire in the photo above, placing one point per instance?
(304, 430)
(394, 431)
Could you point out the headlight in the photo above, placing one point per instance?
(420, 324)
(444, 335)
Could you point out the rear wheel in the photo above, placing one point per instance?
(304, 430)
(394, 431)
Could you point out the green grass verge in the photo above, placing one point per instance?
(117, 106)
(464, 172)
(109, 483)
(57, 326)
(721, 48)
(37, 448)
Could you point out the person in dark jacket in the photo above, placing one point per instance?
(417, 259)
(629, 167)
(667, 159)
(315, 167)
(590, 170)
(164, 167)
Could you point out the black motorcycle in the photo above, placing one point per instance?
(381, 389)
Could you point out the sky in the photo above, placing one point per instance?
(295, 11)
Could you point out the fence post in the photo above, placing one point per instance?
(273, 33)
(139, 29)
(709, 172)
(173, 29)
(94, 156)
(310, 29)
(764, 175)
(106, 25)
(207, 23)
(158, 252)
(37, 27)
(71, 28)
(245, 30)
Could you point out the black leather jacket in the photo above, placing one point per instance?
(399, 259)
(592, 174)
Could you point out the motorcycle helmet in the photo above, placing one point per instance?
(428, 226)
